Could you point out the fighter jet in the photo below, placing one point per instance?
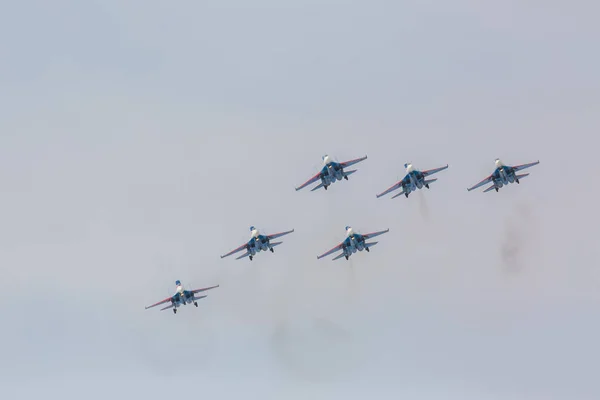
(182, 297)
(257, 243)
(413, 180)
(332, 171)
(354, 242)
(503, 175)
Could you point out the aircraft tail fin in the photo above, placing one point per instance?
(319, 186)
(428, 181)
(347, 173)
(273, 244)
(200, 297)
(521, 176)
(167, 307)
(490, 188)
(339, 256)
(246, 254)
(368, 245)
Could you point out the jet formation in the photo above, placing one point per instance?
(331, 172)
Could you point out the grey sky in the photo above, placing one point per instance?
(140, 140)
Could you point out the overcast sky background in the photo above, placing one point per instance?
(139, 140)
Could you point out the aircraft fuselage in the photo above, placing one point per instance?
(257, 244)
(413, 180)
(352, 244)
(181, 299)
(331, 172)
(503, 176)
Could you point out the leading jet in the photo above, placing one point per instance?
(503, 175)
(413, 180)
(182, 297)
(257, 243)
(332, 171)
(354, 242)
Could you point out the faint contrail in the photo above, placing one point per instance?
(423, 208)
(352, 281)
(320, 351)
(518, 227)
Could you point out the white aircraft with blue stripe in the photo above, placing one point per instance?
(503, 175)
(413, 180)
(182, 297)
(354, 242)
(257, 243)
(332, 171)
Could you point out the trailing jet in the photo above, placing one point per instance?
(257, 243)
(182, 297)
(413, 180)
(354, 242)
(332, 171)
(503, 175)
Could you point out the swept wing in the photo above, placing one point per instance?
(352, 162)
(315, 178)
(398, 194)
(246, 254)
(483, 182)
(433, 171)
(373, 234)
(203, 289)
(396, 186)
(159, 303)
(242, 247)
(280, 234)
(336, 248)
(523, 166)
